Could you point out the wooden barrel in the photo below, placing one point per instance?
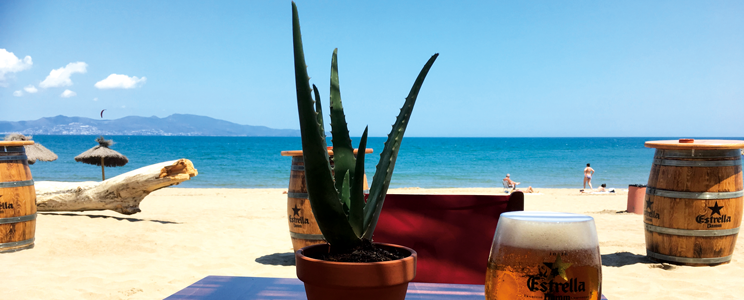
(693, 203)
(303, 229)
(17, 198)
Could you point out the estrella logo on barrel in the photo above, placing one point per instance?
(712, 221)
(650, 213)
(299, 220)
(5, 205)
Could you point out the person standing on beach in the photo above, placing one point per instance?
(588, 172)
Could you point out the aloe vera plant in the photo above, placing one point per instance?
(337, 200)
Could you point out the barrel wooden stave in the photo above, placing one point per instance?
(16, 201)
(691, 247)
(683, 213)
(697, 179)
(669, 208)
(303, 228)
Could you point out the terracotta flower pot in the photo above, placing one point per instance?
(339, 280)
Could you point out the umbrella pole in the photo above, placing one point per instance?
(103, 173)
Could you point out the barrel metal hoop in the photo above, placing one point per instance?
(297, 195)
(688, 260)
(697, 163)
(16, 244)
(298, 167)
(12, 149)
(14, 157)
(691, 153)
(25, 218)
(305, 236)
(13, 184)
(690, 232)
(693, 195)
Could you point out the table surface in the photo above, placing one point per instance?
(230, 287)
(696, 144)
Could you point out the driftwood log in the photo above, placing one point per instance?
(122, 193)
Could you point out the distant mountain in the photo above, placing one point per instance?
(177, 124)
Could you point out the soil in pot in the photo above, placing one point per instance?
(367, 252)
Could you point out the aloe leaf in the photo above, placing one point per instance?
(356, 209)
(345, 193)
(343, 152)
(322, 193)
(319, 112)
(381, 180)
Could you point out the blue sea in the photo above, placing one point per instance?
(255, 162)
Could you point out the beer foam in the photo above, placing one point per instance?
(546, 230)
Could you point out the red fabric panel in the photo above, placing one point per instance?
(452, 234)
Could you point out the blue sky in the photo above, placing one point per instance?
(506, 68)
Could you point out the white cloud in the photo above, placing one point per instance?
(116, 81)
(95, 99)
(30, 89)
(9, 63)
(61, 77)
(17, 93)
(68, 94)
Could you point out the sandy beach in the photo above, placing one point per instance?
(183, 235)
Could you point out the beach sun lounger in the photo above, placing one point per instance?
(507, 188)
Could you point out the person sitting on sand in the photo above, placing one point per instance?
(588, 172)
(510, 183)
(603, 188)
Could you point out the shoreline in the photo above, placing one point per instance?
(185, 234)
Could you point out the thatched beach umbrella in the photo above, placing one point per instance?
(33, 152)
(103, 156)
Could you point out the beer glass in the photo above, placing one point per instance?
(544, 255)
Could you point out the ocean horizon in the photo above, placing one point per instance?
(425, 162)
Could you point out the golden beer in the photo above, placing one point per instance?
(542, 255)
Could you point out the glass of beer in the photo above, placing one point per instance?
(544, 255)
